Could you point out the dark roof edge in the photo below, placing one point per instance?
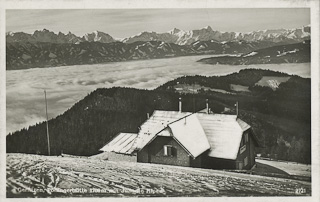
(255, 138)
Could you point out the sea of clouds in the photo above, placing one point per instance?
(25, 104)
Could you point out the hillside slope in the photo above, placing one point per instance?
(281, 117)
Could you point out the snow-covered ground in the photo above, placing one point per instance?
(250, 54)
(291, 168)
(42, 176)
(272, 81)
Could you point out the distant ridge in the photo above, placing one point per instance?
(289, 53)
(24, 55)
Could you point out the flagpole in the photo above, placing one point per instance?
(45, 97)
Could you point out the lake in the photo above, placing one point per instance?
(68, 84)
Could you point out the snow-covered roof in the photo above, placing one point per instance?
(189, 133)
(122, 143)
(224, 133)
(156, 123)
(165, 133)
(205, 110)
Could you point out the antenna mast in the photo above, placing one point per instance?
(193, 100)
(45, 97)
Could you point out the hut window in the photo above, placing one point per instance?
(167, 150)
(246, 136)
(246, 161)
(242, 141)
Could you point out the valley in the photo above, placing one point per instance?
(68, 84)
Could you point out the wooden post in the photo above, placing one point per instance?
(237, 109)
(207, 106)
(45, 97)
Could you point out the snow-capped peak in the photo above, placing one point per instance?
(98, 36)
(208, 28)
(174, 31)
(44, 30)
(96, 32)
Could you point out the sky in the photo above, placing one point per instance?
(121, 23)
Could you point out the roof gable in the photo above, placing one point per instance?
(243, 125)
(223, 133)
(189, 133)
(156, 123)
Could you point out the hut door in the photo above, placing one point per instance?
(240, 165)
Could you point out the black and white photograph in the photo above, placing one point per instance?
(143, 102)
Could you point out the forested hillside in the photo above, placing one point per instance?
(289, 53)
(280, 114)
(281, 118)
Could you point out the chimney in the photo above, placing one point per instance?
(207, 106)
(148, 116)
(180, 105)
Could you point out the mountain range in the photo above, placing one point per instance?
(181, 37)
(46, 49)
(175, 36)
(50, 37)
